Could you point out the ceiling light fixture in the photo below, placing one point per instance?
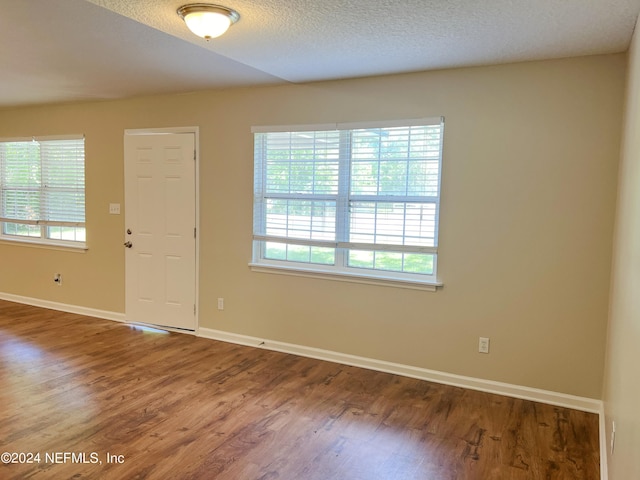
(206, 20)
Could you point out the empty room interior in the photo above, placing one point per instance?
(341, 240)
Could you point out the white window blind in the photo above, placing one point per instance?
(42, 189)
(361, 199)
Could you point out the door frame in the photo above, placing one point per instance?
(196, 132)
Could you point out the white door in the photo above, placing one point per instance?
(160, 220)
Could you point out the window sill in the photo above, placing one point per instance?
(346, 277)
(80, 248)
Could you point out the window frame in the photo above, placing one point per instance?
(340, 269)
(43, 191)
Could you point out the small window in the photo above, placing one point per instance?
(350, 199)
(42, 190)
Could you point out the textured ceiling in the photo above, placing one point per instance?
(68, 50)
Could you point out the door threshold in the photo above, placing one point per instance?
(153, 328)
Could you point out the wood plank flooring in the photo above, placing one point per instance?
(99, 399)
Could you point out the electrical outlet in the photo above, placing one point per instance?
(483, 345)
(221, 304)
(57, 278)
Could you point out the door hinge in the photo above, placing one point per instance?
(194, 155)
(194, 308)
(194, 232)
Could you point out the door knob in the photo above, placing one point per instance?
(128, 244)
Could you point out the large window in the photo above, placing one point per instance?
(42, 190)
(351, 199)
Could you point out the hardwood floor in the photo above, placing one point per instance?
(81, 391)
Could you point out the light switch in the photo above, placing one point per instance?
(114, 208)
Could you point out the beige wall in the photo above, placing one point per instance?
(622, 380)
(528, 193)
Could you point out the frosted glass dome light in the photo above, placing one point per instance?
(206, 20)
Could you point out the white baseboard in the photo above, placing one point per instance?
(544, 396)
(63, 307)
